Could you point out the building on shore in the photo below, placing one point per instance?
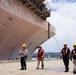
(49, 55)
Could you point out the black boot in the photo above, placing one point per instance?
(66, 71)
(74, 72)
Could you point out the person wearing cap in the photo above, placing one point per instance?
(66, 55)
(23, 54)
(40, 57)
(73, 54)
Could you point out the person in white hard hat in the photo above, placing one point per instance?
(23, 54)
(40, 57)
(66, 55)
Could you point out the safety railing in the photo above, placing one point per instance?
(38, 7)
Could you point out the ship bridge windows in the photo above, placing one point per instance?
(38, 7)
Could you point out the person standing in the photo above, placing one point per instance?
(66, 54)
(73, 54)
(40, 57)
(23, 54)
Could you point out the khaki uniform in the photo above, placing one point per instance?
(74, 65)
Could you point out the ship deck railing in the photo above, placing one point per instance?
(38, 7)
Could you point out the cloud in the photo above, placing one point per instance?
(61, 1)
(63, 17)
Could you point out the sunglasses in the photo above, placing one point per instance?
(65, 45)
(74, 46)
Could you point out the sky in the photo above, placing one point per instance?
(63, 18)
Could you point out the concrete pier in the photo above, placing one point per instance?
(53, 67)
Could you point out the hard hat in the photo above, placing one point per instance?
(39, 46)
(65, 43)
(74, 44)
(24, 45)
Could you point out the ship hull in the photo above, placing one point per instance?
(18, 27)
